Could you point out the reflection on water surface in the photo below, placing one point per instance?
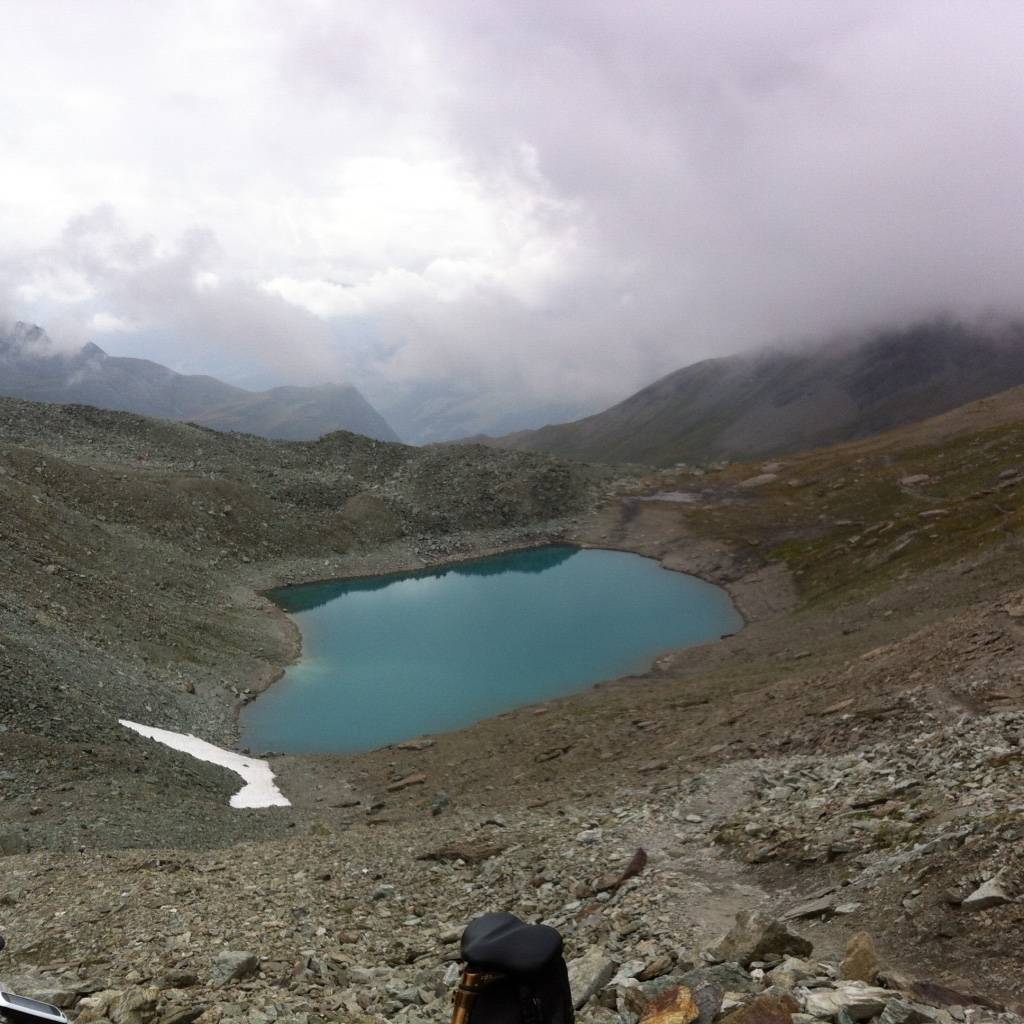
(392, 657)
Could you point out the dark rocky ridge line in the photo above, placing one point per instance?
(773, 402)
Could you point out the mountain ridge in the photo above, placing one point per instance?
(32, 368)
(777, 401)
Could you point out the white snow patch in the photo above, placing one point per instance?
(259, 790)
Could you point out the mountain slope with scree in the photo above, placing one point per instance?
(850, 762)
(773, 402)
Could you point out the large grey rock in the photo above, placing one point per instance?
(588, 974)
(708, 996)
(756, 935)
(791, 972)
(61, 996)
(627, 971)
(854, 999)
(823, 906)
(730, 977)
(232, 965)
(992, 894)
(62, 991)
(899, 1011)
(130, 1006)
(765, 1009)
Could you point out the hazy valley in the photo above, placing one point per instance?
(32, 367)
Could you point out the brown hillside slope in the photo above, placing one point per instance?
(131, 551)
(858, 743)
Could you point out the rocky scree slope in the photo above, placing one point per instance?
(748, 406)
(365, 928)
(129, 550)
(31, 367)
(849, 764)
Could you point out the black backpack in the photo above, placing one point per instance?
(514, 974)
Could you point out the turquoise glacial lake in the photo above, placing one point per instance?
(394, 657)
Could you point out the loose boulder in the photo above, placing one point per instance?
(728, 977)
(755, 936)
(589, 974)
(708, 995)
(766, 1009)
(853, 1000)
(791, 972)
(676, 1006)
(861, 960)
(992, 894)
(899, 1011)
(232, 965)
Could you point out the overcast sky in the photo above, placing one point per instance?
(544, 198)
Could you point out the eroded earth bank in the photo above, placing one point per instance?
(851, 761)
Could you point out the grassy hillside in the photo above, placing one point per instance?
(859, 517)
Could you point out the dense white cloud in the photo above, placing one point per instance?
(536, 199)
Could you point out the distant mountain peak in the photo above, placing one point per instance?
(22, 336)
(24, 331)
(35, 369)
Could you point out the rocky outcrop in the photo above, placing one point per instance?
(861, 960)
(756, 935)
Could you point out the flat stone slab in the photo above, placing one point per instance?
(859, 1002)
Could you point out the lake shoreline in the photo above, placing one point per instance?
(599, 614)
(389, 560)
(764, 593)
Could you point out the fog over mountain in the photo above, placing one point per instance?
(31, 367)
(514, 209)
(786, 400)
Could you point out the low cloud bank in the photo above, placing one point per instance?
(529, 200)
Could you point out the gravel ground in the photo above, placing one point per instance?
(859, 758)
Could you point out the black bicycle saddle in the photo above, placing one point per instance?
(501, 942)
